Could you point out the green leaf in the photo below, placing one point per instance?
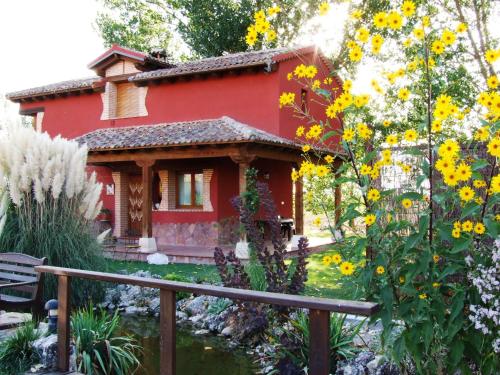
(414, 196)
(492, 226)
(427, 333)
(412, 241)
(456, 351)
(420, 180)
(480, 164)
(461, 244)
(329, 134)
(470, 209)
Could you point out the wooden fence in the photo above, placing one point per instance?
(319, 313)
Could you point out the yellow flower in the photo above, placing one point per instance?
(364, 131)
(394, 20)
(373, 195)
(289, 76)
(448, 37)
(331, 110)
(300, 71)
(479, 184)
(479, 228)
(493, 82)
(482, 134)
(407, 203)
(406, 168)
(300, 131)
(317, 221)
(347, 268)
(445, 165)
(497, 217)
(436, 126)
(357, 14)
(457, 225)
(407, 43)
(348, 135)
(467, 226)
(380, 20)
(362, 34)
(355, 54)
(327, 260)
(436, 258)
(347, 86)
(322, 171)
(404, 94)
(401, 279)
(436, 285)
(377, 40)
(295, 175)
(411, 135)
(286, 99)
(316, 84)
(311, 71)
(437, 47)
(448, 149)
(450, 178)
(336, 258)
(455, 233)
(426, 21)
(491, 55)
(329, 159)
(328, 81)
(392, 139)
(271, 35)
(262, 26)
(461, 28)
(273, 10)
(365, 169)
(408, 8)
(324, 8)
(306, 148)
(464, 172)
(422, 296)
(380, 270)
(315, 131)
(495, 184)
(251, 38)
(370, 219)
(466, 193)
(419, 33)
(494, 147)
(259, 16)
(386, 123)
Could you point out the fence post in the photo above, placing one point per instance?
(319, 342)
(167, 332)
(63, 323)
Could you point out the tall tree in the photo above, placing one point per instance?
(208, 27)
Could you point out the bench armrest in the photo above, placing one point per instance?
(13, 285)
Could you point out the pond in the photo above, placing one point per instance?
(196, 355)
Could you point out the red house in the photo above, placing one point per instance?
(171, 142)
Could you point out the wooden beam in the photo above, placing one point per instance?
(147, 197)
(299, 206)
(63, 322)
(319, 342)
(167, 332)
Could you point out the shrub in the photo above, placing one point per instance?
(98, 349)
(48, 205)
(293, 343)
(220, 305)
(184, 279)
(16, 352)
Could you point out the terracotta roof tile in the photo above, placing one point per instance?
(231, 61)
(223, 130)
(55, 88)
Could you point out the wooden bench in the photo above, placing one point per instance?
(17, 274)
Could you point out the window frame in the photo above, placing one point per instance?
(193, 173)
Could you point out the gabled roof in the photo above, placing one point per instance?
(142, 60)
(262, 58)
(202, 132)
(83, 84)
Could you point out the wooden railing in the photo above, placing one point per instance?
(319, 313)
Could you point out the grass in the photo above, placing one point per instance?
(323, 281)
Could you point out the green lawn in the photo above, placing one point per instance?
(323, 281)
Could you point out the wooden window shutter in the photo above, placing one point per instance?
(127, 100)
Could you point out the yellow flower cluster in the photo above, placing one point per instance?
(305, 71)
(329, 259)
(467, 226)
(344, 100)
(492, 55)
(314, 132)
(262, 26)
(448, 153)
(287, 99)
(373, 195)
(445, 108)
(324, 8)
(491, 102)
(309, 169)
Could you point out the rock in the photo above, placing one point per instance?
(201, 332)
(198, 305)
(136, 310)
(154, 305)
(181, 316)
(157, 258)
(196, 319)
(46, 347)
(227, 331)
(378, 361)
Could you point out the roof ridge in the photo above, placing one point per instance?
(49, 85)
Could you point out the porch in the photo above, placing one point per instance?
(196, 254)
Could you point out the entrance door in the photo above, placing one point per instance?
(135, 206)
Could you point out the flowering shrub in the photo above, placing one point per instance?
(433, 272)
(48, 204)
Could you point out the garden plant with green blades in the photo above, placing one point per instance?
(422, 241)
(99, 351)
(17, 354)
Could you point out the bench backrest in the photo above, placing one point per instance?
(17, 267)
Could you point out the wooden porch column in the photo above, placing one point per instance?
(243, 166)
(299, 206)
(147, 196)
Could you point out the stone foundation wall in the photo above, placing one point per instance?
(224, 232)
